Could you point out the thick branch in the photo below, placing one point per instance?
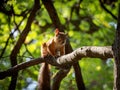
(52, 13)
(58, 78)
(89, 51)
(21, 66)
(55, 19)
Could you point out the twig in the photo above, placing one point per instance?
(102, 5)
(6, 44)
(28, 51)
(11, 34)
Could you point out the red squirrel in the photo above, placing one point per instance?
(55, 47)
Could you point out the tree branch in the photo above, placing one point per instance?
(11, 34)
(21, 66)
(102, 5)
(58, 78)
(52, 13)
(6, 44)
(88, 51)
(54, 17)
(26, 30)
(15, 51)
(63, 61)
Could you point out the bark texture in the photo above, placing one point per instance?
(63, 61)
(116, 51)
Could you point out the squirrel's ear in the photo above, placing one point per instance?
(56, 31)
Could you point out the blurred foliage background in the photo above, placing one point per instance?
(87, 24)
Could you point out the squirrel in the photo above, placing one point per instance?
(54, 47)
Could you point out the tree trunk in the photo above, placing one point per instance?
(116, 52)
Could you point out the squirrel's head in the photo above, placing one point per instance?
(60, 37)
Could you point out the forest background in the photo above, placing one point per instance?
(87, 22)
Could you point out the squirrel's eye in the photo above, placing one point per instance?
(58, 36)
